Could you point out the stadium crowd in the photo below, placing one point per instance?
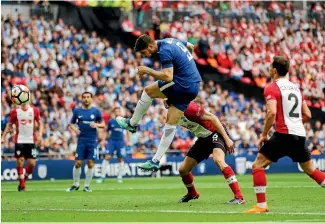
(58, 62)
(239, 39)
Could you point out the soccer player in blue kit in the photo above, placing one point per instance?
(88, 118)
(115, 143)
(179, 81)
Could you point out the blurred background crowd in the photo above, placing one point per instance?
(58, 62)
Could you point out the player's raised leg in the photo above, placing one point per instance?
(310, 169)
(229, 174)
(185, 172)
(173, 117)
(150, 92)
(259, 182)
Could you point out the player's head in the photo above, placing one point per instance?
(87, 98)
(145, 45)
(279, 67)
(117, 111)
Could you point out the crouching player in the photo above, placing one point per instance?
(88, 118)
(212, 139)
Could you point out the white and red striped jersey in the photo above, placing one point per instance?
(289, 106)
(24, 120)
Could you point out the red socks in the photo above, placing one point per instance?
(29, 170)
(21, 177)
(319, 177)
(229, 175)
(259, 179)
(188, 182)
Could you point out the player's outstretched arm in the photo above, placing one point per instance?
(208, 116)
(306, 114)
(165, 74)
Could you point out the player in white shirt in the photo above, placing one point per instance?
(286, 106)
(25, 119)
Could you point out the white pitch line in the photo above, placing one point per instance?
(157, 188)
(160, 211)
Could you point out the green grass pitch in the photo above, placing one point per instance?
(291, 197)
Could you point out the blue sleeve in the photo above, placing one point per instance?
(74, 117)
(166, 58)
(99, 117)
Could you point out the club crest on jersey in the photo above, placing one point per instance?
(18, 152)
(92, 116)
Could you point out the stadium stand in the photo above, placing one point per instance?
(58, 62)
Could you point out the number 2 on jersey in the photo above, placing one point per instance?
(292, 113)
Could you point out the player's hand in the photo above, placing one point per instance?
(77, 131)
(165, 103)
(230, 146)
(93, 125)
(141, 70)
(261, 141)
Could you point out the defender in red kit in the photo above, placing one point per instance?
(286, 106)
(212, 139)
(25, 119)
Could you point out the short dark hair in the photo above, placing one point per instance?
(281, 64)
(87, 92)
(142, 42)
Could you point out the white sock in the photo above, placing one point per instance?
(104, 168)
(120, 170)
(166, 140)
(76, 176)
(141, 108)
(89, 176)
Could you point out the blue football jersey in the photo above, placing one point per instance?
(173, 53)
(83, 117)
(116, 130)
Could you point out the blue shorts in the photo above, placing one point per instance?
(87, 150)
(177, 95)
(116, 145)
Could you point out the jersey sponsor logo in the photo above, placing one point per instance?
(80, 116)
(24, 122)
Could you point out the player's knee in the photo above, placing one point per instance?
(308, 167)
(258, 165)
(220, 162)
(108, 157)
(149, 91)
(183, 171)
(20, 161)
(77, 164)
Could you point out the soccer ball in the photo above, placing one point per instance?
(20, 94)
